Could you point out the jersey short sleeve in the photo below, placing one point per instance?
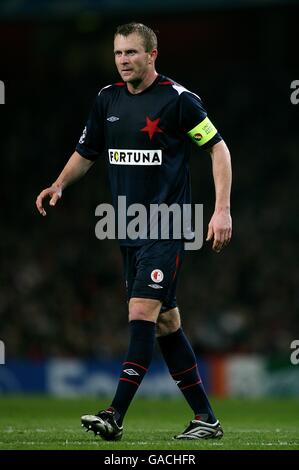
(195, 122)
(92, 141)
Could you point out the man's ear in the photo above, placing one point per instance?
(153, 55)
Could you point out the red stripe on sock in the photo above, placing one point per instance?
(192, 385)
(183, 371)
(131, 381)
(134, 364)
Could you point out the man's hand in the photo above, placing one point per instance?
(54, 193)
(75, 168)
(220, 227)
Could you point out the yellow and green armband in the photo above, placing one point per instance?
(203, 132)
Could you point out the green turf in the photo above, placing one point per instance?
(48, 423)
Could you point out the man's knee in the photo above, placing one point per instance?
(144, 309)
(168, 322)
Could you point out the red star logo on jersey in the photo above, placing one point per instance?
(151, 127)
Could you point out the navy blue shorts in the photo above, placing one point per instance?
(151, 270)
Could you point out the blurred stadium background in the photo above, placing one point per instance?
(63, 317)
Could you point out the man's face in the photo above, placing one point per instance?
(131, 60)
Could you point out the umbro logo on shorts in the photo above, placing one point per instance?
(113, 118)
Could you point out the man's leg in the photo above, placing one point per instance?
(143, 315)
(181, 362)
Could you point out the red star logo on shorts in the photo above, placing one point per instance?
(151, 127)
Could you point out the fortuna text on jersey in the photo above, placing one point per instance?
(135, 157)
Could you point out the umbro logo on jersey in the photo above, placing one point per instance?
(135, 157)
(131, 372)
(113, 118)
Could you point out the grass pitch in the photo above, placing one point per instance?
(49, 423)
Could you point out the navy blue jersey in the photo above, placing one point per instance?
(146, 139)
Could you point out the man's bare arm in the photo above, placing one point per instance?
(220, 226)
(75, 168)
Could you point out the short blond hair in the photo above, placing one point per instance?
(149, 37)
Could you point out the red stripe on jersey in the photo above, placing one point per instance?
(166, 82)
(119, 84)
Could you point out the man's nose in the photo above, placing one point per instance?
(124, 59)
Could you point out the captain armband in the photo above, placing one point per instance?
(203, 132)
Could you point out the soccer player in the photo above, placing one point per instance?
(144, 126)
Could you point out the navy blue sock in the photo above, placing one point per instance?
(142, 338)
(181, 362)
